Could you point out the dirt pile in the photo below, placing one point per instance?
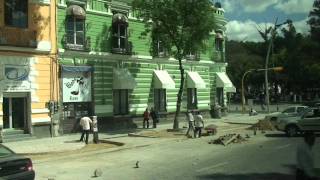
(263, 125)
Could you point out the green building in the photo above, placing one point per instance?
(107, 68)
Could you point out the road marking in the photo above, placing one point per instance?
(212, 167)
(283, 146)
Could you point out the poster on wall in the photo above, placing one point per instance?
(76, 83)
(15, 78)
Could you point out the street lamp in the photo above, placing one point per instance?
(276, 69)
(273, 31)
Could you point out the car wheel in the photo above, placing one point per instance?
(292, 131)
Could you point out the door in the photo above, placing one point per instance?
(160, 100)
(311, 121)
(192, 100)
(15, 114)
(219, 96)
(72, 113)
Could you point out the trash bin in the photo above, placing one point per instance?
(216, 111)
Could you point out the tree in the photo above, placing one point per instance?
(182, 25)
(314, 21)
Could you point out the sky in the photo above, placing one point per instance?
(245, 16)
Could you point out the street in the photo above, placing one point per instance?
(265, 156)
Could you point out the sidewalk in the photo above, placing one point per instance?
(71, 142)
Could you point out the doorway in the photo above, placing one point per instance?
(15, 113)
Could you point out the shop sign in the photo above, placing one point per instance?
(76, 84)
(15, 78)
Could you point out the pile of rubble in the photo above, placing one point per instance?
(229, 138)
(263, 125)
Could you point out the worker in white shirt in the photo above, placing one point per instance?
(305, 158)
(85, 124)
(198, 124)
(190, 123)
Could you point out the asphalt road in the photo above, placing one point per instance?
(266, 156)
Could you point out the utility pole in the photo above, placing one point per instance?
(273, 31)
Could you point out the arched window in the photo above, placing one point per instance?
(120, 42)
(75, 27)
(219, 41)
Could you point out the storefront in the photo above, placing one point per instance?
(76, 96)
(15, 89)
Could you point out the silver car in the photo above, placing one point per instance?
(308, 120)
(288, 112)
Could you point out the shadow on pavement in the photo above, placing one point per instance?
(249, 176)
(283, 135)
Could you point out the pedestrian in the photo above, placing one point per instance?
(253, 112)
(95, 129)
(305, 158)
(146, 116)
(85, 124)
(198, 124)
(190, 123)
(154, 116)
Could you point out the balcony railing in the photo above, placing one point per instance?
(127, 50)
(193, 57)
(86, 46)
(18, 37)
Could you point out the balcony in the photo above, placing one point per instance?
(193, 57)
(86, 46)
(18, 37)
(127, 50)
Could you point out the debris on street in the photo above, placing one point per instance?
(263, 125)
(228, 138)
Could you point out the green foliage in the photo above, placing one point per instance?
(182, 25)
(314, 21)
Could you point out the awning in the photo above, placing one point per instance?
(162, 80)
(122, 79)
(75, 10)
(223, 81)
(119, 18)
(194, 80)
(76, 68)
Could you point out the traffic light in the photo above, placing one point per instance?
(277, 69)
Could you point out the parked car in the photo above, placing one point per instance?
(288, 112)
(14, 166)
(308, 120)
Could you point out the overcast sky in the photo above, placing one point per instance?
(244, 16)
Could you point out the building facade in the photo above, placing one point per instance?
(107, 68)
(27, 67)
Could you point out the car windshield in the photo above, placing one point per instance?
(5, 151)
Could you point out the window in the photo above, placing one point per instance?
(192, 98)
(119, 34)
(289, 110)
(16, 13)
(159, 50)
(160, 100)
(75, 30)
(120, 102)
(300, 109)
(219, 41)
